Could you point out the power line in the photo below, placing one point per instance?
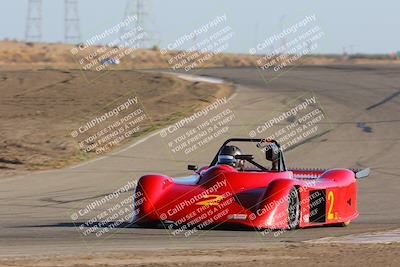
(33, 30)
(72, 33)
(140, 10)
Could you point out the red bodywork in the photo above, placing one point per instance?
(259, 199)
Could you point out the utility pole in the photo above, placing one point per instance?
(139, 9)
(283, 49)
(72, 33)
(33, 30)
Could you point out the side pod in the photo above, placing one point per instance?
(273, 210)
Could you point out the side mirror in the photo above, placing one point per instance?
(272, 152)
(192, 168)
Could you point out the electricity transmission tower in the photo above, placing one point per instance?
(33, 30)
(140, 10)
(72, 33)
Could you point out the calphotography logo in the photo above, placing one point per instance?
(122, 40)
(199, 130)
(103, 132)
(301, 120)
(201, 45)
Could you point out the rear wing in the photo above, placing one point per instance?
(314, 173)
(361, 173)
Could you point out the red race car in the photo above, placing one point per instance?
(235, 189)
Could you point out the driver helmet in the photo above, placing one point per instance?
(227, 156)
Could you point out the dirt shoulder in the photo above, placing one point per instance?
(40, 109)
(297, 254)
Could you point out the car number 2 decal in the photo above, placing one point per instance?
(211, 200)
(331, 214)
(331, 199)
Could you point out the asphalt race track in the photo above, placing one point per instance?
(364, 113)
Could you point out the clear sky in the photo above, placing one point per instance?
(363, 26)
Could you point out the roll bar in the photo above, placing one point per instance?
(273, 151)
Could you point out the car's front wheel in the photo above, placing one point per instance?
(293, 209)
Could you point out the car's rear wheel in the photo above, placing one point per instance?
(148, 224)
(293, 209)
(344, 224)
(145, 223)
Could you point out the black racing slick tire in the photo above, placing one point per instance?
(148, 224)
(293, 209)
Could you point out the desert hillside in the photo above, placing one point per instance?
(41, 110)
(30, 55)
